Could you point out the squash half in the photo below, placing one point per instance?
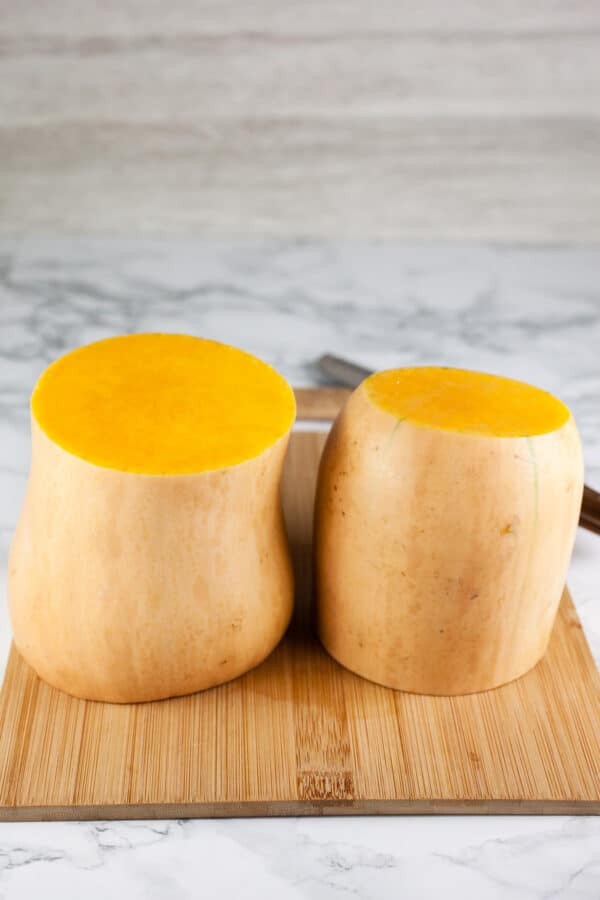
(150, 559)
(446, 511)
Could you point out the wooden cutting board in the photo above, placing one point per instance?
(301, 736)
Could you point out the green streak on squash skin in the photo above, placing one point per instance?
(533, 462)
(392, 434)
(534, 468)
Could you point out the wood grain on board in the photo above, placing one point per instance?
(300, 735)
(320, 404)
(478, 121)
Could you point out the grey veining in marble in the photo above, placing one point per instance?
(321, 859)
(532, 314)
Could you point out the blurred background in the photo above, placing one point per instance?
(397, 183)
(470, 120)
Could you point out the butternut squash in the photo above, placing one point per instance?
(150, 559)
(446, 510)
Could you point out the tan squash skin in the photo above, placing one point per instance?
(441, 557)
(127, 587)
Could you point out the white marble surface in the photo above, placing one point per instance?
(531, 314)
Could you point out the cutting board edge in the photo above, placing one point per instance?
(285, 808)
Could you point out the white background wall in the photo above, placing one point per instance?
(335, 118)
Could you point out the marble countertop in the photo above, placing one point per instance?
(532, 314)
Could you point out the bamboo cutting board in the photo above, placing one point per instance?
(299, 735)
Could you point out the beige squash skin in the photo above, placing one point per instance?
(127, 587)
(441, 557)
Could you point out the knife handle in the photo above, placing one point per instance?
(590, 510)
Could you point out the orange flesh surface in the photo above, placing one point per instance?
(467, 402)
(164, 404)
